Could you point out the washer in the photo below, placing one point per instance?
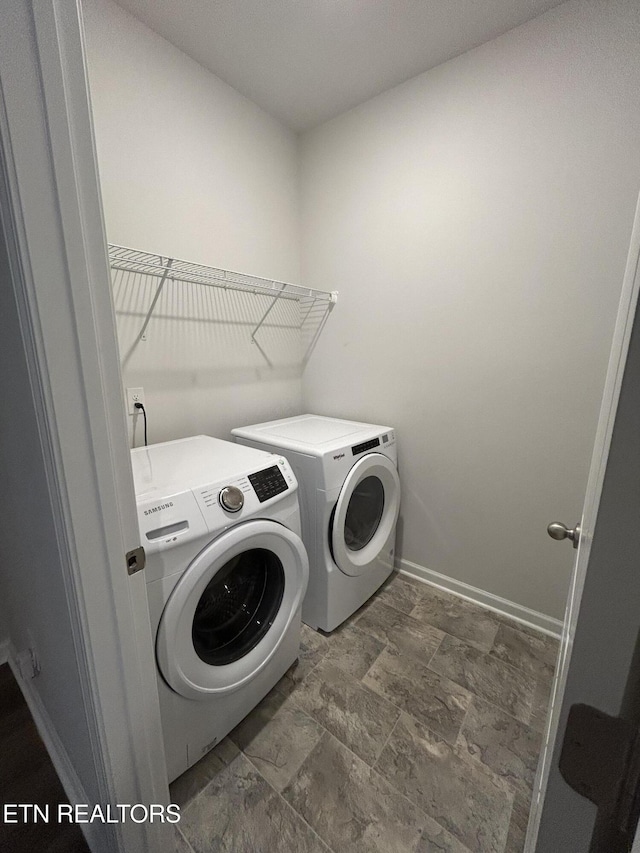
(226, 573)
(350, 499)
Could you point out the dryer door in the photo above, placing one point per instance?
(366, 513)
(231, 608)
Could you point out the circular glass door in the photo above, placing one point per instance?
(231, 608)
(238, 606)
(365, 513)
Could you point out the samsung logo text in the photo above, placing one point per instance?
(158, 508)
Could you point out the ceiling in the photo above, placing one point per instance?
(305, 61)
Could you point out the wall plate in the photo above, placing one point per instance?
(134, 395)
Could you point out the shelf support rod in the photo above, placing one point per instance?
(165, 274)
(309, 310)
(266, 314)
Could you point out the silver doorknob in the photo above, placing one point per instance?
(557, 530)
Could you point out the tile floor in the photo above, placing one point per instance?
(413, 728)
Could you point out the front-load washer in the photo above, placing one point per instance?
(350, 499)
(226, 573)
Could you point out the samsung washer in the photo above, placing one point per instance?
(226, 574)
(350, 499)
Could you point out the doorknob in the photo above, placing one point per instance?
(556, 530)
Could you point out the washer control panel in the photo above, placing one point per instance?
(227, 502)
(268, 483)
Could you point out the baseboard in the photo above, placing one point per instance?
(59, 758)
(530, 618)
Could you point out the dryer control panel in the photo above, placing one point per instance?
(366, 445)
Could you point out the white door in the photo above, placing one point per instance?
(365, 513)
(602, 619)
(229, 612)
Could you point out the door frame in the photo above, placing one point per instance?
(51, 215)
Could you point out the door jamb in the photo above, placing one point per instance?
(51, 214)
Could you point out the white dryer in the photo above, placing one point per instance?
(350, 499)
(226, 574)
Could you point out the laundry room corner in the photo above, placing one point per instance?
(463, 212)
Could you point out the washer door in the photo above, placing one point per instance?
(231, 608)
(365, 514)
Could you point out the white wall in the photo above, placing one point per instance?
(476, 221)
(191, 169)
(35, 606)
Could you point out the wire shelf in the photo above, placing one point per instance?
(146, 263)
(314, 305)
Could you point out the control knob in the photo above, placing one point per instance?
(231, 499)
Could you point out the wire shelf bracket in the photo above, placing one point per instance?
(266, 313)
(141, 335)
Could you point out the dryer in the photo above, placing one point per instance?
(226, 573)
(350, 499)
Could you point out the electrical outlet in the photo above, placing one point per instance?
(134, 395)
(27, 659)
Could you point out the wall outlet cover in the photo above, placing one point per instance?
(28, 663)
(134, 395)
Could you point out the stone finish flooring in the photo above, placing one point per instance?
(413, 728)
